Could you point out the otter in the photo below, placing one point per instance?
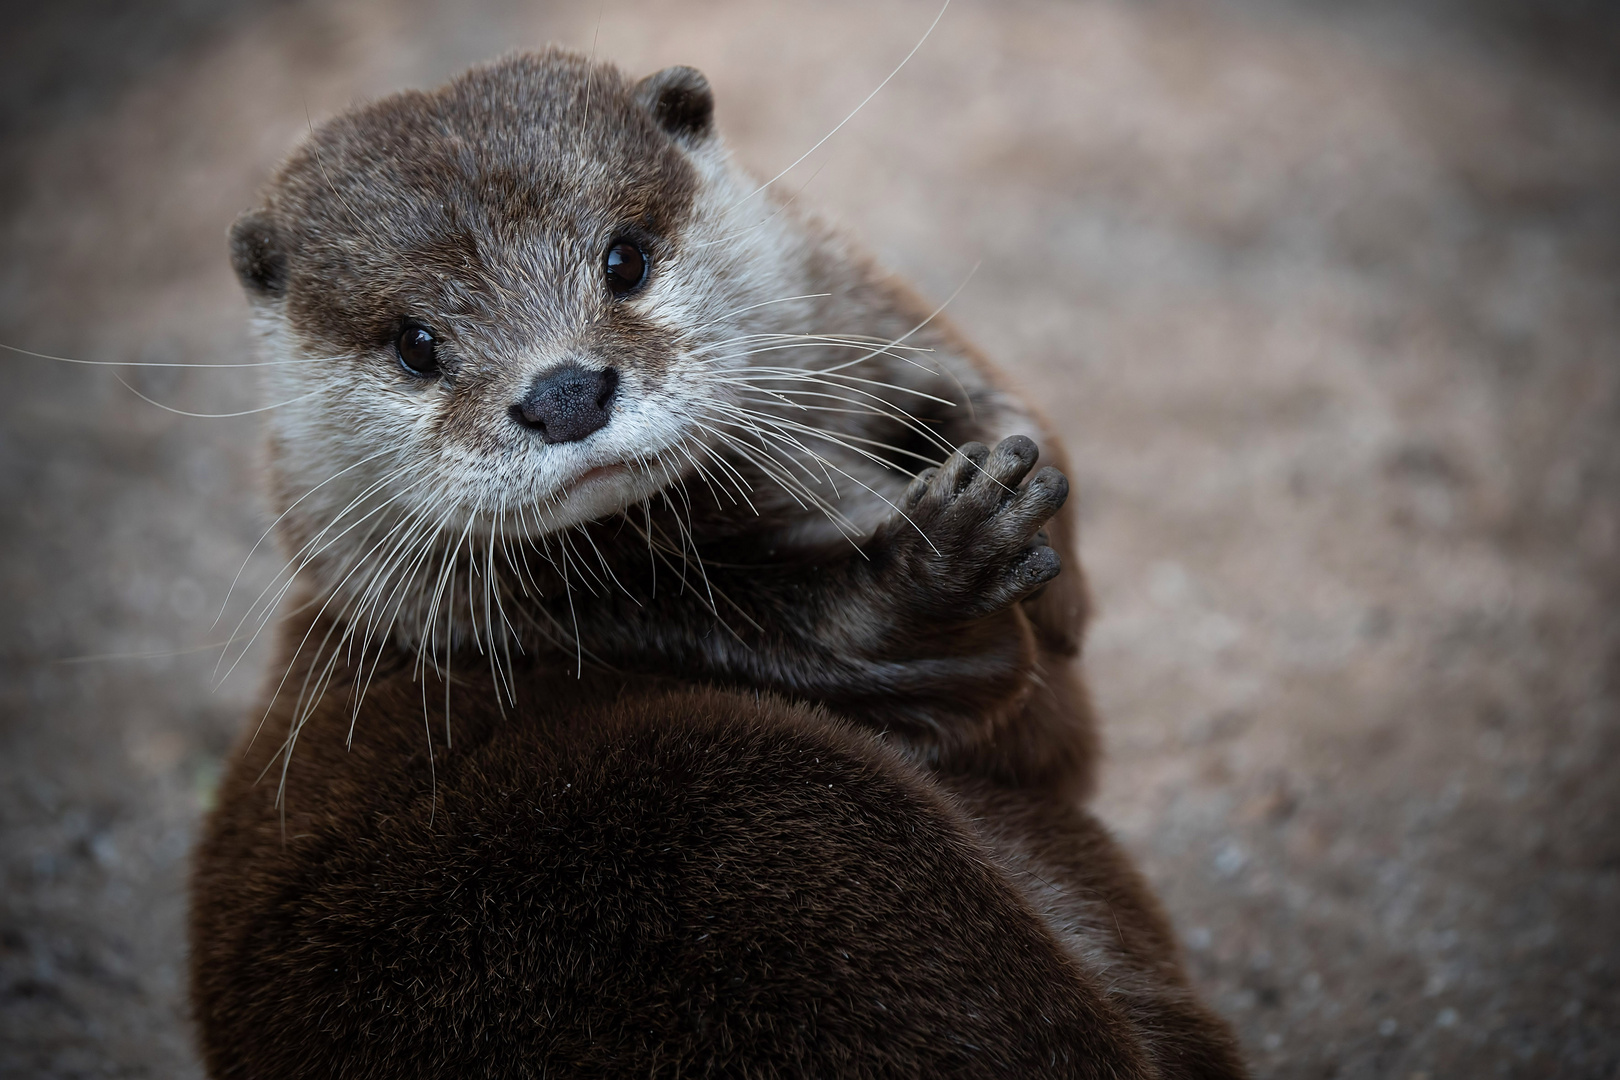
(675, 665)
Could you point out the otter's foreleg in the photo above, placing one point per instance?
(921, 628)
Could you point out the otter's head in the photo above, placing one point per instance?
(501, 307)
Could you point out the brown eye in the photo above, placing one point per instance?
(418, 351)
(626, 267)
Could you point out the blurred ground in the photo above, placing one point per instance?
(1325, 296)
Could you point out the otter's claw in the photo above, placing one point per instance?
(972, 536)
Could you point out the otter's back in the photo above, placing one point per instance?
(673, 884)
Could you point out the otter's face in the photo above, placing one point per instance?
(502, 306)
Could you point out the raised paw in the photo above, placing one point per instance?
(970, 532)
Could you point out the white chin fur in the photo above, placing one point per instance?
(594, 498)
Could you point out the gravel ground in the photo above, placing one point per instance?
(1326, 297)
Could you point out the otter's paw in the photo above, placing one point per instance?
(972, 535)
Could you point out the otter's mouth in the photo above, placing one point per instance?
(592, 476)
(595, 494)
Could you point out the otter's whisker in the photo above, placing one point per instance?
(844, 440)
(790, 485)
(750, 307)
(885, 499)
(767, 220)
(686, 452)
(362, 611)
(703, 474)
(298, 557)
(269, 609)
(213, 416)
(870, 403)
(781, 340)
(397, 597)
(447, 576)
(276, 693)
(814, 375)
(853, 112)
(173, 363)
(728, 470)
(584, 534)
(281, 517)
(433, 774)
(916, 329)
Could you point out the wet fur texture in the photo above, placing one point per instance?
(657, 758)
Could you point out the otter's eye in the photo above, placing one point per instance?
(418, 351)
(626, 267)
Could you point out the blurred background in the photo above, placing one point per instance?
(1324, 296)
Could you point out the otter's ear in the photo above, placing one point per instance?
(680, 101)
(257, 255)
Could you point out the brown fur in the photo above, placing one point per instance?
(644, 878)
(815, 816)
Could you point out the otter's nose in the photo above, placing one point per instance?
(568, 404)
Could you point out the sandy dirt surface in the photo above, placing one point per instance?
(1325, 297)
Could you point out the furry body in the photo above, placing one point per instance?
(768, 775)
